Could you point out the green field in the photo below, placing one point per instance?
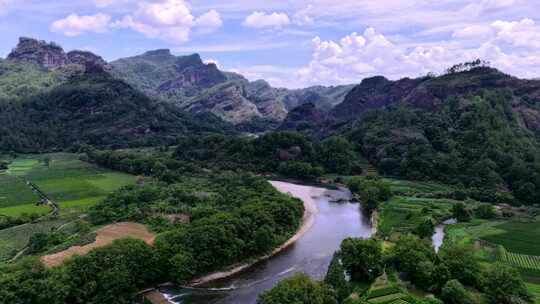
(403, 213)
(534, 289)
(62, 176)
(410, 187)
(14, 239)
(531, 262)
(517, 237)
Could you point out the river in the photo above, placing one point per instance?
(311, 253)
(438, 236)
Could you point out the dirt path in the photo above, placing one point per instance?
(308, 195)
(105, 236)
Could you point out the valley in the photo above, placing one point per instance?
(164, 174)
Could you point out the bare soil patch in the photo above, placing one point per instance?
(105, 236)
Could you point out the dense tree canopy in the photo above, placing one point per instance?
(299, 289)
(362, 259)
(289, 154)
(474, 141)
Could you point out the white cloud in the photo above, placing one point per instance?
(303, 17)
(357, 56)
(104, 3)
(473, 32)
(263, 20)
(209, 21)
(112, 3)
(523, 33)
(75, 25)
(169, 20)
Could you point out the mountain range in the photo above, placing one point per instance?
(184, 81)
(179, 90)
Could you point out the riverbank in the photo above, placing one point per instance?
(308, 196)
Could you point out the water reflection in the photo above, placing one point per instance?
(311, 254)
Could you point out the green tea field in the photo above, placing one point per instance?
(63, 177)
(534, 289)
(517, 237)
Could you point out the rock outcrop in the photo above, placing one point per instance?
(51, 56)
(304, 118)
(430, 93)
(48, 55)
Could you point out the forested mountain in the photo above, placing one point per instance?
(97, 110)
(186, 82)
(474, 126)
(193, 85)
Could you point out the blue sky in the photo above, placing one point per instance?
(293, 43)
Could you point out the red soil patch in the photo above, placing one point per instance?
(105, 236)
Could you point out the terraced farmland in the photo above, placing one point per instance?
(519, 260)
(388, 294)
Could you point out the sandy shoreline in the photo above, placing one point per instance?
(305, 193)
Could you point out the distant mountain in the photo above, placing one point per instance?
(52, 57)
(198, 87)
(98, 110)
(51, 100)
(477, 128)
(432, 94)
(306, 118)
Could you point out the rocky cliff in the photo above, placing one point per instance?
(51, 56)
(430, 93)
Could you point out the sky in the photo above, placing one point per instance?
(293, 43)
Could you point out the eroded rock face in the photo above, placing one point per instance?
(52, 57)
(48, 55)
(303, 118)
(91, 62)
(430, 93)
(227, 102)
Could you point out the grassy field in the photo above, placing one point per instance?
(62, 176)
(14, 239)
(411, 187)
(534, 289)
(407, 209)
(516, 237)
(403, 213)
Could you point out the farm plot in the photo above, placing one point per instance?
(519, 260)
(408, 187)
(14, 239)
(534, 289)
(62, 176)
(403, 213)
(517, 237)
(388, 294)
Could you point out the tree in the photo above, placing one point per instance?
(337, 155)
(454, 293)
(335, 277)
(371, 190)
(37, 242)
(485, 211)
(298, 289)
(426, 228)
(461, 212)
(503, 285)
(409, 251)
(362, 258)
(462, 264)
(183, 267)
